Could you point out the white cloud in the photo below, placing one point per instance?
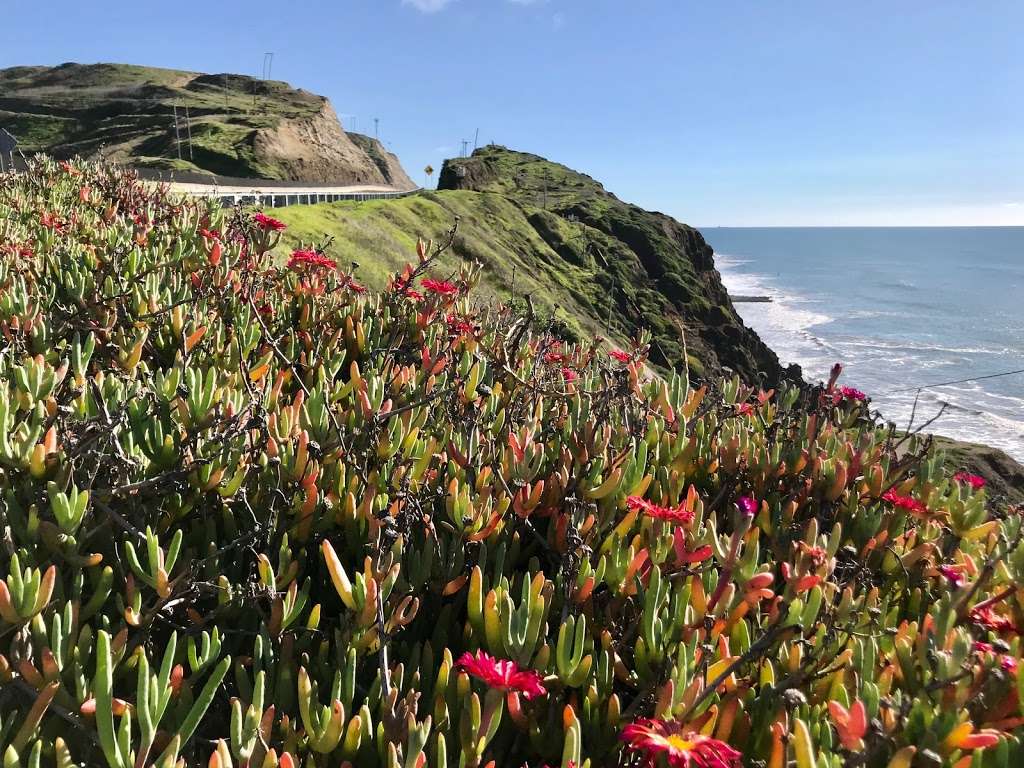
(428, 6)
(558, 20)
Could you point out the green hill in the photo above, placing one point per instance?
(230, 125)
(597, 265)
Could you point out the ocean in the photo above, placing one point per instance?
(900, 308)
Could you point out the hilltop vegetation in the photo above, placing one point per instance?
(595, 264)
(254, 514)
(239, 125)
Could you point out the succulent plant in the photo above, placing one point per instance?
(254, 515)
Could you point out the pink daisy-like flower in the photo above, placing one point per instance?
(909, 503)
(952, 574)
(440, 287)
(502, 674)
(987, 617)
(569, 375)
(849, 393)
(681, 748)
(458, 325)
(748, 505)
(267, 223)
(672, 514)
(621, 356)
(966, 478)
(310, 259)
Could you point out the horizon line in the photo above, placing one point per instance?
(858, 226)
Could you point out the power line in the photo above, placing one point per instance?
(188, 129)
(955, 381)
(177, 133)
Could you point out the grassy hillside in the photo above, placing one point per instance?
(240, 126)
(596, 264)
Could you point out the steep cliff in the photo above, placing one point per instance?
(647, 268)
(593, 264)
(229, 125)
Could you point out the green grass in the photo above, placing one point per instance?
(595, 264)
(126, 112)
(381, 237)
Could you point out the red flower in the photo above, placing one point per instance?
(681, 748)
(50, 220)
(908, 503)
(553, 357)
(974, 481)
(849, 393)
(674, 515)
(501, 674)
(414, 295)
(618, 354)
(744, 409)
(986, 617)
(311, 259)
(356, 287)
(440, 287)
(569, 375)
(458, 325)
(266, 223)
(210, 234)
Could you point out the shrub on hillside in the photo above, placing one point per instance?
(255, 516)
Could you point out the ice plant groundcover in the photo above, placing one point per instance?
(253, 514)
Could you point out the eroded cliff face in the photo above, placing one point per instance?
(317, 149)
(647, 269)
(178, 121)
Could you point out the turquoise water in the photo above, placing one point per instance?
(900, 308)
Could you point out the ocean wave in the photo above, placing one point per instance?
(797, 327)
(925, 347)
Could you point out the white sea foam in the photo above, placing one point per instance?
(798, 329)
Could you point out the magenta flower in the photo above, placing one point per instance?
(440, 287)
(310, 259)
(680, 748)
(849, 393)
(748, 505)
(966, 478)
(671, 514)
(267, 223)
(502, 675)
(951, 573)
(909, 503)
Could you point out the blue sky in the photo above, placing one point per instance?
(756, 112)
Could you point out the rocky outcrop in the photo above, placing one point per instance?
(174, 120)
(317, 149)
(387, 162)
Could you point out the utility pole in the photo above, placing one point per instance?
(376, 128)
(465, 144)
(188, 130)
(177, 132)
(476, 139)
(268, 64)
